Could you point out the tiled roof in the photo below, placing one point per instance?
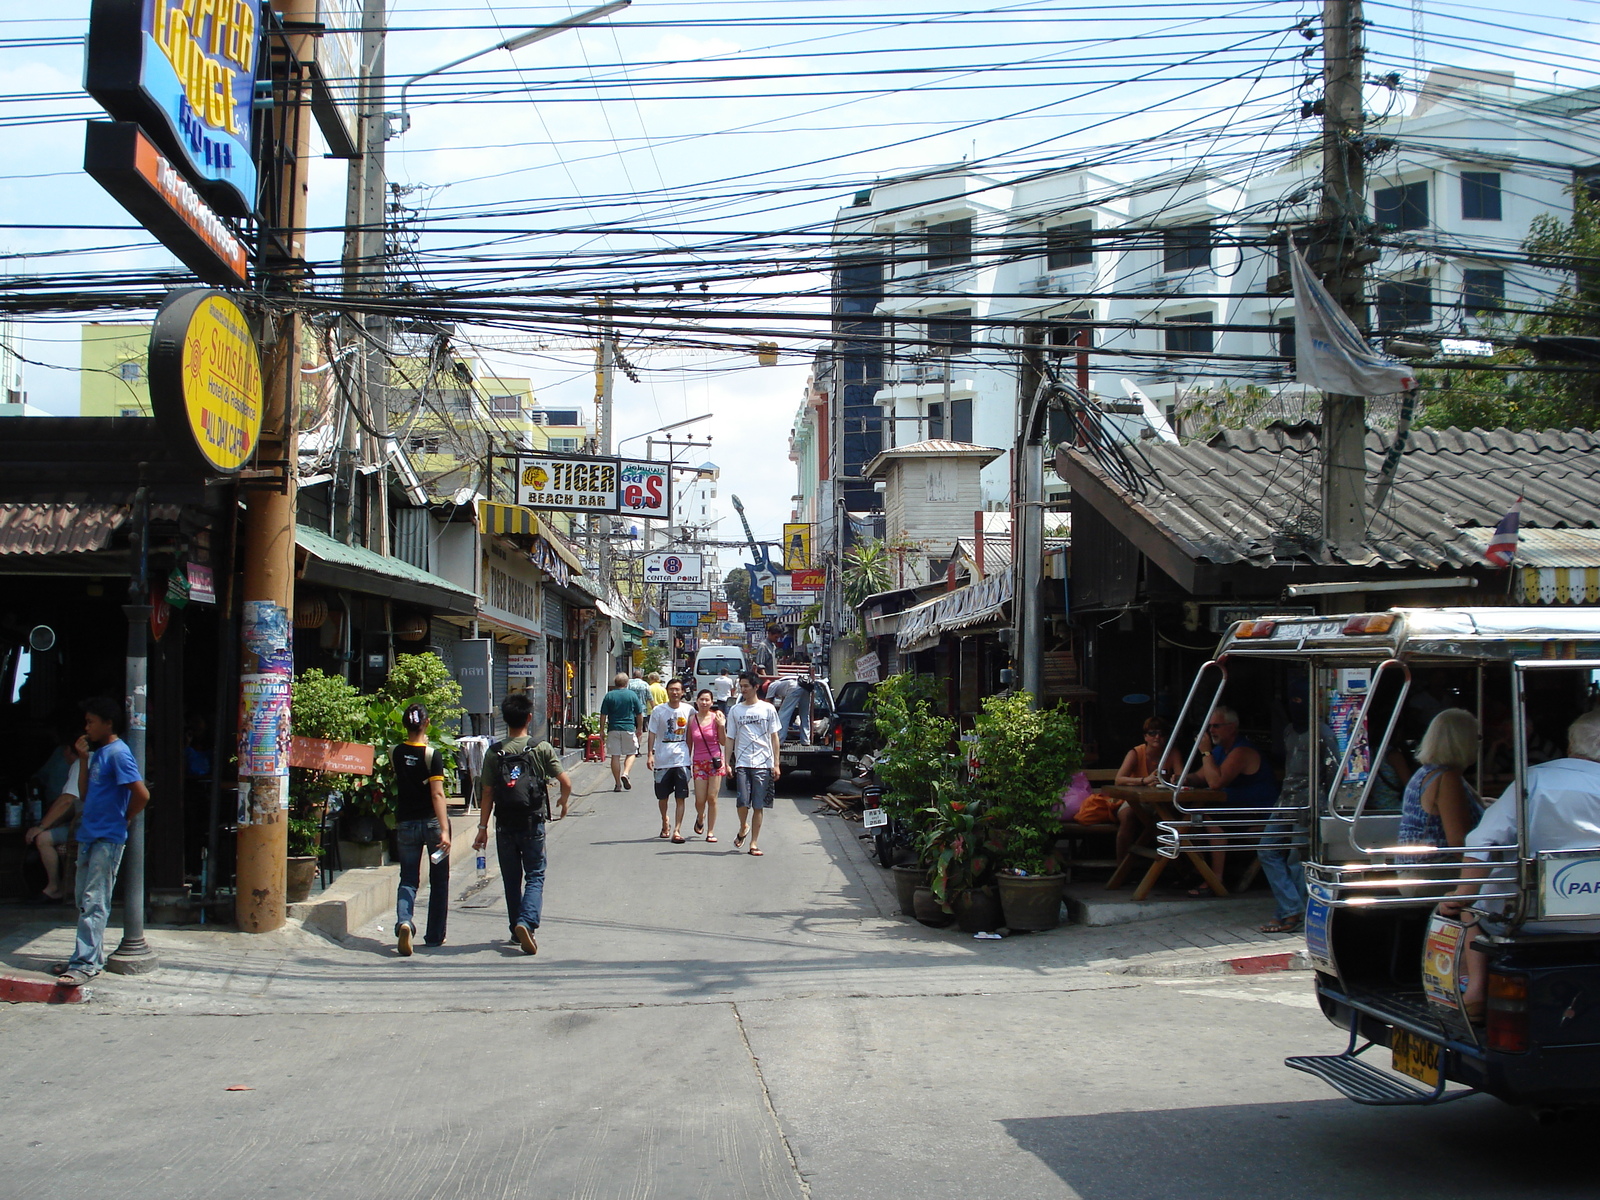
(58, 528)
(1252, 495)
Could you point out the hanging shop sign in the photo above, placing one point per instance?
(205, 377)
(339, 758)
(673, 566)
(523, 666)
(683, 620)
(688, 600)
(811, 579)
(581, 483)
(645, 489)
(796, 547)
(121, 159)
(184, 71)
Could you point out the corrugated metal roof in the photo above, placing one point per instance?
(58, 528)
(331, 550)
(1550, 547)
(1250, 495)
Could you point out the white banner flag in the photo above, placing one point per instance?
(1330, 352)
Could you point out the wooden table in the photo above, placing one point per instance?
(1158, 803)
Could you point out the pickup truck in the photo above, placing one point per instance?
(843, 732)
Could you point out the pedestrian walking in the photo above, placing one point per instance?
(722, 689)
(658, 694)
(667, 755)
(751, 745)
(706, 729)
(115, 794)
(422, 825)
(515, 791)
(621, 713)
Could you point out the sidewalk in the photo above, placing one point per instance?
(633, 920)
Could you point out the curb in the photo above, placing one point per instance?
(35, 987)
(1249, 964)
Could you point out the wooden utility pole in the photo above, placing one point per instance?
(268, 551)
(1342, 225)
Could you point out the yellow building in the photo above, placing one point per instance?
(115, 381)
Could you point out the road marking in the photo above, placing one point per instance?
(1295, 999)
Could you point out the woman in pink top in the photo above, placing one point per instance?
(705, 756)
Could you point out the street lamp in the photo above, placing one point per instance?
(527, 38)
(633, 437)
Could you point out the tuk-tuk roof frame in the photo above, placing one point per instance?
(1474, 634)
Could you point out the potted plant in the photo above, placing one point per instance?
(958, 843)
(305, 850)
(1024, 754)
(323, 706)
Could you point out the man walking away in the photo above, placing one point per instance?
(515, 790)
(658, 694)
(722, 688)
(638, 684)
(114, 796)
(752, 748)
(422, 825)
(621, 712)
(667, 755)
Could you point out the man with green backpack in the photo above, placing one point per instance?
(515, 790)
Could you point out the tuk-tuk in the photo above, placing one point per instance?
(1387, 966)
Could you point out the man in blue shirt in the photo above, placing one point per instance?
(113, 796)
(621, 712)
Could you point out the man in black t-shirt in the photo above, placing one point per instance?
(422, 825)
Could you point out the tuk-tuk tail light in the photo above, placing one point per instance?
(1368, 623)
(1507, 1027)
(1256, 629)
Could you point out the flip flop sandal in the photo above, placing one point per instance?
(665, 833)
(757, 853)
(738, 841)
(711, 837)
(74, 978)
(699, 826)
(678, 839)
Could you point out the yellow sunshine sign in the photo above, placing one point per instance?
(205, 377)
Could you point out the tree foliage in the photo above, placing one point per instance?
(1026, 755)
(866, 571)
(736, 587)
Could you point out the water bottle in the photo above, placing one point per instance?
(483, 866)
(437, 856)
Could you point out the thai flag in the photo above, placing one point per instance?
(1502, 546)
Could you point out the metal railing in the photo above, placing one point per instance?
(1407, 883)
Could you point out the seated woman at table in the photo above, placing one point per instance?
(1149, 763)
(1440, 808)
(1231, 764)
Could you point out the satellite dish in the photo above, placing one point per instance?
(41, 638)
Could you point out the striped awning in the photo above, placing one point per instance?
(1557, 585)
(513, 519)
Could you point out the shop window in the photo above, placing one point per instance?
(1402, 207)
(1401, 305)
(1189, 334)
(1067, 246)
(1185, 247)
(1483, 292)
(1480, 195)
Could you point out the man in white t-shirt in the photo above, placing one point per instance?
(667, 754)
(722, 689)
(751, 746)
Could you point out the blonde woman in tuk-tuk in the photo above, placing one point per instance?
(1440, 807)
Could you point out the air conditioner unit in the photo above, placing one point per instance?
(1042, 284)
(1169, 285)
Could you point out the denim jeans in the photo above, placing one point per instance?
(97, 875)
(521, 857)
(794, 703)
(416, 838)
(1280, 862)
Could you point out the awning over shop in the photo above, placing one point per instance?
(551, 552)
(965, 608)
(331, 562)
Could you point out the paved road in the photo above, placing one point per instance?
(699, 1023)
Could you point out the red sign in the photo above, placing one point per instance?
(808, 579)
(160, 614)
(341, 758)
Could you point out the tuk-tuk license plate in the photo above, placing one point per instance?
(1416, 1057)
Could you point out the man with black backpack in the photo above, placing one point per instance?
(515, 789)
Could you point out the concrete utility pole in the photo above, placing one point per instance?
(1343, 219)
(605, 369)
(268, 567)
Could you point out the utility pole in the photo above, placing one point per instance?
(1343, 221)
(605, 363)
(268, 559)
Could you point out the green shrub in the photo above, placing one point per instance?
(916, 755)
(1025, 756)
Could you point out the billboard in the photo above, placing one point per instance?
(811, 579)
(185, 73)
(582, 483)
(796, 547)
(672, 566)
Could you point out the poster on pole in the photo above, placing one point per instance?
(796, 547)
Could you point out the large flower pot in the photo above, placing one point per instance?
(908, 878)
(926, 909)
(1031, 902)
(978, 910)
(302, 872)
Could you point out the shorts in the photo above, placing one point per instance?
(60, 835)
(622, 742)
(703, 769)
(672, 781)
(753, 786)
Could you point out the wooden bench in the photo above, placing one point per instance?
(1074, 834)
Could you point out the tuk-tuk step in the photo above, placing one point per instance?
(1364, 1083)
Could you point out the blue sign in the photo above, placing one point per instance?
(185, 73)
(683, 620)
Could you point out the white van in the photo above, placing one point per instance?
(712, 659)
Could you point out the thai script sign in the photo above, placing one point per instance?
(205, 377)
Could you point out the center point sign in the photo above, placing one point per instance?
(578, 483)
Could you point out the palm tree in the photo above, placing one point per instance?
(865, 571)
